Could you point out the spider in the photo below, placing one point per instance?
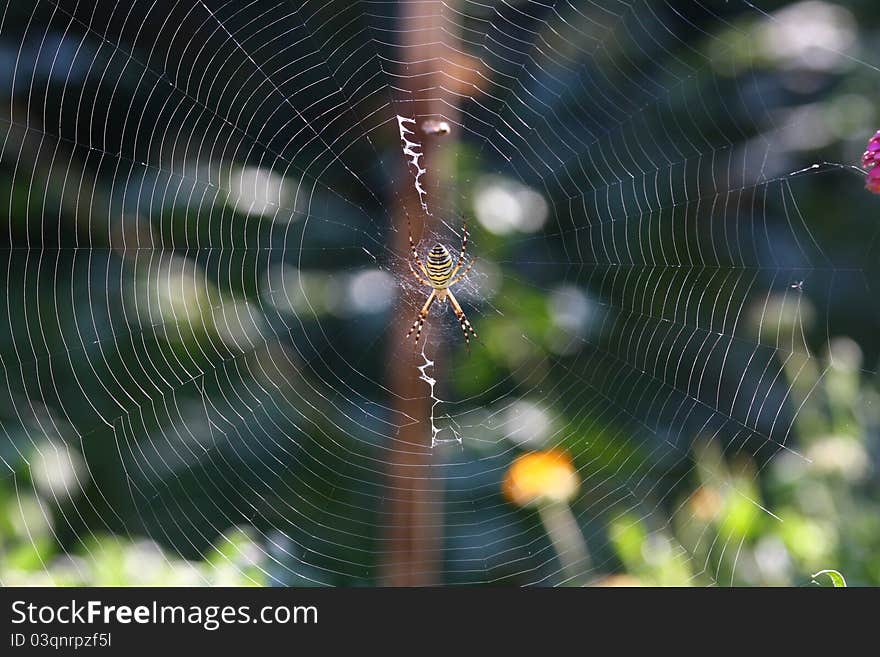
(440, 275)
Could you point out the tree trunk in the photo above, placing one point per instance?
(414, 490)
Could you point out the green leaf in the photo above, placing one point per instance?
(836, 578)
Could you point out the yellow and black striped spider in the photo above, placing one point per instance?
(440, 275)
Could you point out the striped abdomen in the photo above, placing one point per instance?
(439, 266)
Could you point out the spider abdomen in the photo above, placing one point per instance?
(439, 266)
(440, 275)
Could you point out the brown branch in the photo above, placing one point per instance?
(414, 496)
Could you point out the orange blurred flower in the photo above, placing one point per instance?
(541, 477)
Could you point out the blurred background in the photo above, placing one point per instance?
(206, 212)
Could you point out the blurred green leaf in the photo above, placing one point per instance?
(836, 578)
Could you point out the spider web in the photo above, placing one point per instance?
(200, 279)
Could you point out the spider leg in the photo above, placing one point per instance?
(463, 242)
(462, 319)
(457, 279)
(423, 315)
(416, 274)
(461, 256)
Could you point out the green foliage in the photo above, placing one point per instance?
(836, 578)
(31, 555)
(823, 502)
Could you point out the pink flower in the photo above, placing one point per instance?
(872, 183)
(870, 160)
